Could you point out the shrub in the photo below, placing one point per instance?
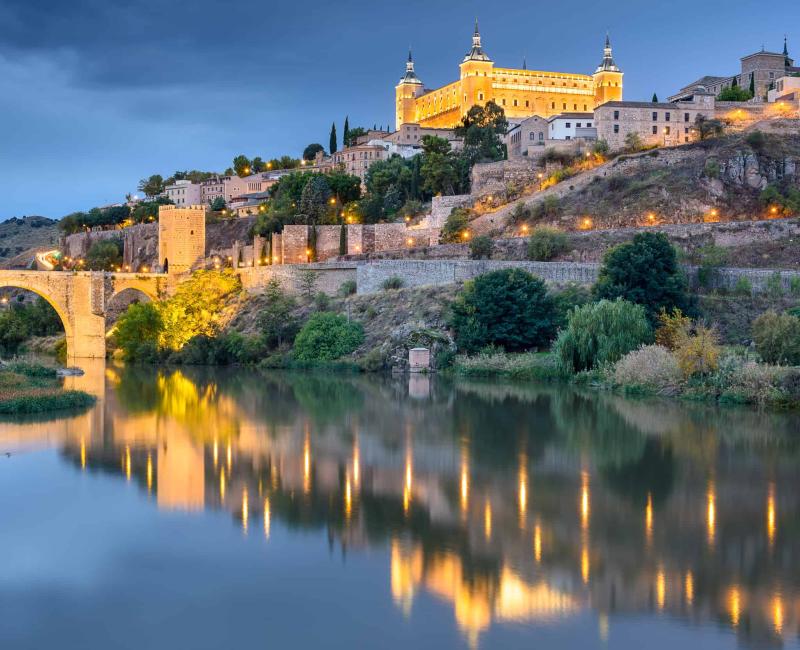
(712, 168)
(794, 285)
(481, 248)
(455, 226)
(743, 286)
(711, 259)
(546, 243)
(509, 308)
(567, 298)
(774, 285)
(322, 301)
(104, 255)
(347, 288)
(520, 213)
(673, 328)
(777, 338)
(644, 271)
(601, 333)
(276, 319)
(140, 324)
(756, 139)
(394, 282)
(327, 336)
(307, 281)
(698, 353)
(651, 367)
(549, 208)
(524, 366)
(373, 361)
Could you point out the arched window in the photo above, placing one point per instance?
(531, 135)
(541, 135)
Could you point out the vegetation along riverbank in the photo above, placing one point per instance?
(32, 388)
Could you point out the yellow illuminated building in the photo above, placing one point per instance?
(521, 93)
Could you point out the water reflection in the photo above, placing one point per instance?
(510, 504)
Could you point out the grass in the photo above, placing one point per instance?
(539, 366)
(31, 388)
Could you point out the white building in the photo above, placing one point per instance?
(183, 193)
(787, 90)
(570, 126)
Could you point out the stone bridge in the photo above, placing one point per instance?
(81, 300)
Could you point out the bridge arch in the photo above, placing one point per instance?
(60, 308)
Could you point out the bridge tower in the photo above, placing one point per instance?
(181, 237)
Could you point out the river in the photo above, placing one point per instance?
(210, 508)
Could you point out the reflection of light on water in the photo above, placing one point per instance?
(689, 588)
(711, 515)
(771, 526)
(661, 589)
(127, 462)
(584, 499)
(408, 483)
(734, 605)
(266, 518)
(356, 464)
(245, 510)
(306, 464)
(216, 453)
(487, 519)
(222, 484)
(537, 543)
(522, 496)
(83, 453)
(149, 471)
(603, 627)
(464, 479)
(229, 455)
(777, 614)
(585, 564)
(648, 517)
(348, 498)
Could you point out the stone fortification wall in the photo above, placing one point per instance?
(494, 178)
(330, 277)
(417, 273)
(294, 244)
(328, 242)
(442, 206)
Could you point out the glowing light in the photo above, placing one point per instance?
(465, 234)
(661, 589)
(127, 462)
(771, 525)
(266, 518)
(586, 223)
(245, 510)
(83, 453)
(306, 465)
(149, 471)
(410, 241)
(584, 500)
(229, 457)
(734, 605)
(215, 453)
(688, 588)
(777, 614)
(773, 210)
(585, 564)
(487, 520)
(356, 464)
(464, 479)
(522, 492)
(537, 543)
(711, 514)
(648, 517)
(348, 498)
(222, 484)
(408, 484)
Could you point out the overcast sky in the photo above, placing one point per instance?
(95, 94)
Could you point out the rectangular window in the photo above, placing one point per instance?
(578, 125)
(686, 117)
(574, 107)
(564, 105)
(655, 116)
(553, 105)
(655, 130)
(666, 116)
(616, 128)
(568, 125)
(666, 130)
(480, 96)
(616, 115)
(686, 130)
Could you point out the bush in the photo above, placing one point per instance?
(546, 243)
(567, 298)
(550, 208)
(455, 226)
(322, 301)
(756, 139)
(509, 308)
(520, 213)
(394, 282)
(794, 285)
(140, 324)
(644, 271)
(774, 285)
(711, 259)
(743, 286)
(276, 319)
(481, 248)
(777, 338)
(651, 367)
(673, 328)
(348, 288)
(601, 333)
(526, 366)
(327, 336)
(373, 361)
(698, 353)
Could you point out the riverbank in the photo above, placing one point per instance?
(649, 371)
(32, 388)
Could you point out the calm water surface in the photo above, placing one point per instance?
(202, 508)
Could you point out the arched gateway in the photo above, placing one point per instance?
(80, 299)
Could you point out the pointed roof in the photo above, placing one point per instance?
(476, 53)
(524, 62)
(410, 77)
(607, 64)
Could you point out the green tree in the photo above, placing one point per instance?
(242, 165)
(633, 142)
(353, 135)
(708, 128)
(438, 169)
(752, 85)
(311, 151)
(601, 333)
(644, 271)
(332, 146)
(509, 308)
(455, 226)
(546, 243)
(138, 328)
(104, 255)
(480, 248)
(152, 186)
(777, 338)
(734, 94)
(345, 188)
(655, 98)
(481, 129)
(314, 201)
(346, 131)
(276, 318)
(258, 165)
(218, 204)
(327, 336)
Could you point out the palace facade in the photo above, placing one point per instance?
(520, 92)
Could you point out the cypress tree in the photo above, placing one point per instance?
(752, 85)
(346, 134)
(312, 244)
(332, 146)
(343, 240)
(655, 98)
(734, 83)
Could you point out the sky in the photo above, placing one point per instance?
(96, 94)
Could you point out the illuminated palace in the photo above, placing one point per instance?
(521, 93)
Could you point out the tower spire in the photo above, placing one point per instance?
(524, 62)
(608, 60)
(410, 77)
(476, 53)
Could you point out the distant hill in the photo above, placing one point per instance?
(18, 235)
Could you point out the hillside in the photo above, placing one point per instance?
(715, 180)
(20, 237)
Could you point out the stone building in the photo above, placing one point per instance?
(762, 68)
(184, 193)
(181, 237)
(225, 187)
(356, 160)
(662, 124)
(520, 92)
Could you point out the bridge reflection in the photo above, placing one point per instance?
(513, 504)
